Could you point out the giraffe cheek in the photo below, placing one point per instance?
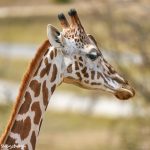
(79, 76)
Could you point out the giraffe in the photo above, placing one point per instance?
(70, 56)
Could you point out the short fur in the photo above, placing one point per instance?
(30, 71)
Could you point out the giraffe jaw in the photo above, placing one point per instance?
(123, 93)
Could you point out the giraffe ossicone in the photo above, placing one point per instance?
(71, 56)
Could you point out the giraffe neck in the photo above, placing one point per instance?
(29, 115)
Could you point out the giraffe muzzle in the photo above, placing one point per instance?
(125, 93)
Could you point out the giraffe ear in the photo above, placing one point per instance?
(54, 36)
(92, 39)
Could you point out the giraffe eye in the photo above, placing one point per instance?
(92, 56)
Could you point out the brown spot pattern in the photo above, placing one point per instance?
(40, 126)
(33, 140)
(92, 74)
(46, 69)
(110, 68)
(69, 68)
(45, 93)
(22, 127)
(54, 73)
(26, 147)
(80, 58)
(98, 75)
(80, 64)
(76, 66)
(86, 75)
(36, 108)
(55, 52)
(84, 72)
(53, 88)
(10, 140)
(51, 54)
(38, 68)
(26, 128)
(17, 126)
(95, 83)
(79, 75)
(46, 52)
(26, 105)
(35, 86)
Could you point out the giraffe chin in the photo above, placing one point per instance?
(125, 94)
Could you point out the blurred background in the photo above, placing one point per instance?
(91, 120)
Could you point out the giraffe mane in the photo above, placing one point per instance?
(25, 81)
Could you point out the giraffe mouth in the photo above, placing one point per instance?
(125, 93)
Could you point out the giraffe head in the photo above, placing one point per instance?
(83, 62)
